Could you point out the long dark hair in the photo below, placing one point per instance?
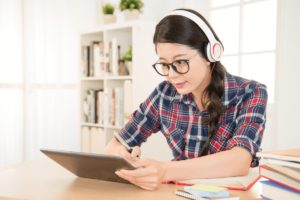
(181, 30)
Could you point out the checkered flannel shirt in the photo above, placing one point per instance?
(181, 122)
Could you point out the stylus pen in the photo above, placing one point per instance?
(122, 141)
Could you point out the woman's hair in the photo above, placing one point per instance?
(181, 30)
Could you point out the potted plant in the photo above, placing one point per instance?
(128, 59)
(108, 13)
(131, 8)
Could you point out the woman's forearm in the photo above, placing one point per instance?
(234, 162)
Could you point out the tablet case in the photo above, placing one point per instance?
(88, 165)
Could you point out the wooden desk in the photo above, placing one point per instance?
(45, 179)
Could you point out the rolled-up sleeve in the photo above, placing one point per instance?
(250, 121)
(144, 121)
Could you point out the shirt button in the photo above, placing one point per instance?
(198, 139)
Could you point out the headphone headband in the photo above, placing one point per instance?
(215, 48)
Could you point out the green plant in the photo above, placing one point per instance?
(108, 9)
(128, 55)
(131, 5)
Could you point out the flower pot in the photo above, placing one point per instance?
(131, 14)
(107, 19)
(128, 64)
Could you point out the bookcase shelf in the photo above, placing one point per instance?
(108, 91)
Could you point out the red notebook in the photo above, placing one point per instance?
(233, 183)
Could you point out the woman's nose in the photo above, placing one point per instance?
(172, 73)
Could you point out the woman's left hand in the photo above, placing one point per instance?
(148, 175)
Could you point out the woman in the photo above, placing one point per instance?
(213, 121)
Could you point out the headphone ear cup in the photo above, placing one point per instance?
(208, 53)
(217, 51)
(214, 52)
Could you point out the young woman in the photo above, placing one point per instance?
(213, 121)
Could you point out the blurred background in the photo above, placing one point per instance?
(40, 66)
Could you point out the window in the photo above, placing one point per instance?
(247, 29)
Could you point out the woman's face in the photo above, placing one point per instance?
(198, 76)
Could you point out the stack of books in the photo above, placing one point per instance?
(281, 169)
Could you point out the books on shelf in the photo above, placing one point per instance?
(99, 59)
(107, 107)
(234, 183)
(92, 140)
(271, 190)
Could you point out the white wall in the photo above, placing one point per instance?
(288, 73)
(51, 72)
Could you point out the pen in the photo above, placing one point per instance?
(122, 141)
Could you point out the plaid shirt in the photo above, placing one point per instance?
(178, 118)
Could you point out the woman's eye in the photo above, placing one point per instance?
(179, 62)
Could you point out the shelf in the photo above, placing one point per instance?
(92, 79)
(106, 78)
(101, 126)
(92, 125)
(118, 78)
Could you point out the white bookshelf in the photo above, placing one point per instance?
(138, 35)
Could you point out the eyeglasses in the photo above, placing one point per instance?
(179, 66)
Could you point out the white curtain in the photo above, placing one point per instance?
(39, 75)
(11, 78)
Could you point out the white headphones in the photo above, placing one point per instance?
(214, 49)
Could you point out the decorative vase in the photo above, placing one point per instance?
(131, 14)
(128, 64)
(107, 19)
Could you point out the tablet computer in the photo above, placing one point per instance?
(89, 165)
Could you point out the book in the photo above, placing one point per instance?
(187, 195)
(85, 139)
(234, 183)
(279, 178)
(98, 59)
(127, 103)
(287, 155)
(85, 60)
(113, 57)
(290, 172)
(97, 140)
(207, 191)
(271, 190)
(282, 162)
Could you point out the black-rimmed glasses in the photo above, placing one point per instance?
(179, 66)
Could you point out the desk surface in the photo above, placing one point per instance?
(45, 179)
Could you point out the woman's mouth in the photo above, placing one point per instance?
(179, 85)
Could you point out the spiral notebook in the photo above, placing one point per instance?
(190, 196)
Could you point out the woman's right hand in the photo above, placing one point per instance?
(114, 147)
